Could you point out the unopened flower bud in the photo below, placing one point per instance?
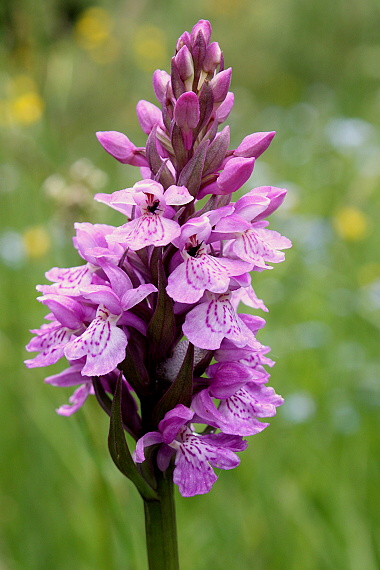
(276, 197)
(160, 81)
(186, 115)
(186, 111)
(225, 107)
(148, 115)
(254, 144)
(185, 66)
(204, 27)
(183, 40)
(234, 175)
(120, 147)
(212, 58)
(220, 85)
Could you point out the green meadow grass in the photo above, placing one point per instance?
(306, 495)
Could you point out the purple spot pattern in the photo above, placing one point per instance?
(103, 343)
(68, 281)
(50, 342)
(221, 317)
(259, 245)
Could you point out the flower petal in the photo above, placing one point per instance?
(188, 282)
(173, 421)
(259, 245)
(177, 195)
(103, 343)
(67, 281)
(210, 322)
(69, 377)
(50, 342)
(146, 230)
(150, 438)
(241, 410)
(193, 472)
(76, 400)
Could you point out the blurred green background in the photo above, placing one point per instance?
(306, 495)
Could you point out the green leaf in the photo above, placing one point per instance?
(191, 175)
(181, 391)
(133, 366)
(155, 258)
(206, 104)
(176, 81)
(180, 151)
(156, 164)
(104, 400)
(161, 329)
(118, 447)
(217, 151)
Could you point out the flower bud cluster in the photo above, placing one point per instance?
(154, 306)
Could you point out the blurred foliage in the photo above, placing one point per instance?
(306, 495)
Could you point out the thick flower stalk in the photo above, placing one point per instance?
(150, 323)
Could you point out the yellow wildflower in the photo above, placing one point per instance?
(93, 28)
(351, 223)
(149, 47)
(36, 241)
(26, 108)
(93, 32)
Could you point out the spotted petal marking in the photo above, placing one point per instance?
(194, 460)
(67, 281)
(259, 245)
(149, 229)
(189, 280)
(77, 399)
(240, 412)
(208, 323)
(103, 343)
(256, 359)
(50, 342)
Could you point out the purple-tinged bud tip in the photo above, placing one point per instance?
(254, 144)
(233, 176)
(212, 58)
(160, 81)
(148, 115)
(117, 145)
(186, 116)
(205, 28)
(186, 111)
(120, 147)
(225, 108)
(220, 85)
(184, 40)
(185, 66)
(276, 197)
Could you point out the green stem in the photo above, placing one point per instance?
(160, 526)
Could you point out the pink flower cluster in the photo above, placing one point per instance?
(156, 301)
